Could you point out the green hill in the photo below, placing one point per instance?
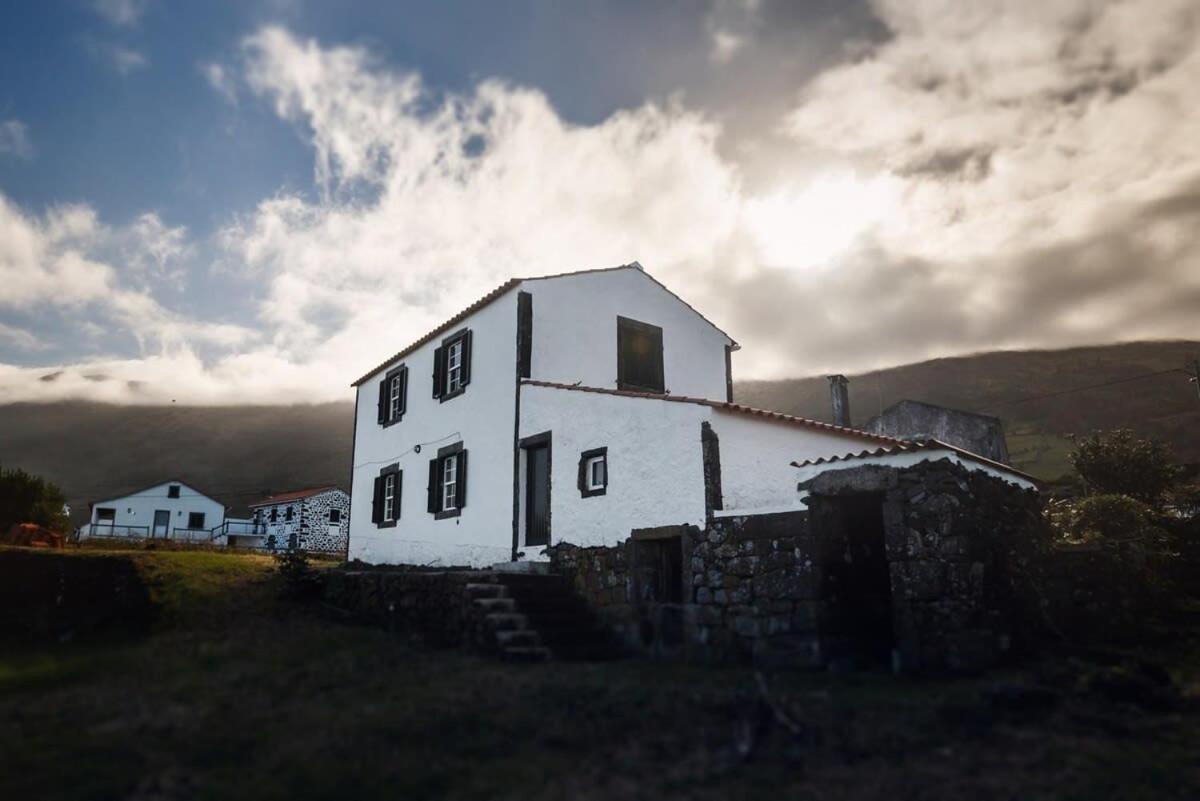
(236, 453)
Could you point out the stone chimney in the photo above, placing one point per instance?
(839, 391)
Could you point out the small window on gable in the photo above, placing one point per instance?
(335, 515)
(452, 366)
(639, 356)
(172, 490)
(593, 472)
(447, 487)
(105, 515)
(393, 396)
(385, 500)
(195, 520)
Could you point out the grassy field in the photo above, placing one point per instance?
(237, 694)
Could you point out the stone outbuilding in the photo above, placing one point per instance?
(902, 560)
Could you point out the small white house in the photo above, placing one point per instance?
(316, 519)
(167, 510)
(568, 408)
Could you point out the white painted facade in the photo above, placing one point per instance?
(153, 512)
(654, 455)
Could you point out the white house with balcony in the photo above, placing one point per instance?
(167, 510)
(568, 408)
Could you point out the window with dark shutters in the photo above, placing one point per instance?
(387, 495)
(447, 489)
(524, 334)
(639, 356)
(452, 366)
(393, 396)
(377, 502)
(593, 472)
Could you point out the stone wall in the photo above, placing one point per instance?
(764, 587)
(430, 606)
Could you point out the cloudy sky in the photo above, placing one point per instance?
(256, 201)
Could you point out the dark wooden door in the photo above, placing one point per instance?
(537, 495)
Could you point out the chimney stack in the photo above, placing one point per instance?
(839, 391)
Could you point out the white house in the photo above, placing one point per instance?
(315, 519)
(568, 408)
(166, 510)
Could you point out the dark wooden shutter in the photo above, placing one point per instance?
(396, 496)
(439, 371)
(461, 489)
(466, 358)
(524, 334)
(582, 481)
(383, 401)
(377, 502)
(403, 391)
(435, 497)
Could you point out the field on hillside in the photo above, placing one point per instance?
(237, 694)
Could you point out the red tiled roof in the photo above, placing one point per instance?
(725, 407)
(292, 495)
(901, 446)
(511, 284)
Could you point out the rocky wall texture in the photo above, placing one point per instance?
(432, 607)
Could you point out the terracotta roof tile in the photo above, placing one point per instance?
(292, 495)
(725, 406)
(901, 446)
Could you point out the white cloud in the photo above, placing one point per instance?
(14, 139)
(220, 80)
(19, 338)
(121, 13)
(118, 57)
(731, 24)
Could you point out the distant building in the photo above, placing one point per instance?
(916, 421)
(316, 519)
(166, 510)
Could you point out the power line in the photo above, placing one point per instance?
(1114, 382)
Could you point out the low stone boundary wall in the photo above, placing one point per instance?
(53, 596)
(430, 606)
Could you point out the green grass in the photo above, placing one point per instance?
(238, 695)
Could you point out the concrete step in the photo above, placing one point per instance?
(506, 621)
(518, 638)
(525, 654)
(479, 590)
(495, 604)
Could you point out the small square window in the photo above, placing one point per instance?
(173, 491)
(106, 515)
(195, 520)
(335, 515)
(593, 472)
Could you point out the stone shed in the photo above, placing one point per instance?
(902, 560)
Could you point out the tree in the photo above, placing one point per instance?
(26, 498)
(1121, 463)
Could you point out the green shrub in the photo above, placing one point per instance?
(1121, 463)
(300, 581)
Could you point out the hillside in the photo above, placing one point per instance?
(1011, 385)
(237, 453)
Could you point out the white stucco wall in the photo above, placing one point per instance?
(481, 418)
(757, 455)
(138, 508)
(655, 465)
(575, 332)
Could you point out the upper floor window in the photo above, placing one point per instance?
(287, 515)
(385, 501)
(274, 514)
(172, 490)
(639, 356)
(393, 396)
(448, 481)
(452, 366)
(335, 515)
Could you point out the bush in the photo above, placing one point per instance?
(1121, 463)
(300, 581)
(26, 498)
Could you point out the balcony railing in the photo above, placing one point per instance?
(112, 530)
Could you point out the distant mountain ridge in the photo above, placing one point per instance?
(239, 453)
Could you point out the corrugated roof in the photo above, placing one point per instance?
(901, 446)
(512, 283)
(292, 495)
(724, 406)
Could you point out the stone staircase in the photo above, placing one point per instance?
(531, 617)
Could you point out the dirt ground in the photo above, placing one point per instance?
(238, 694)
